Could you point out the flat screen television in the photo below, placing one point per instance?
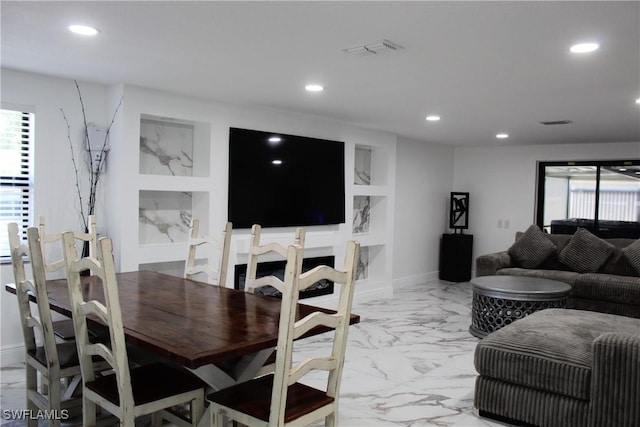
(279, 180)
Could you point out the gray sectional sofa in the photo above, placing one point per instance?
(603, 278)
(566, 367)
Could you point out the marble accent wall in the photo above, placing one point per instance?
(362, 172)
(164, 217)
(363, 263)
(166, 148)
(361, 214)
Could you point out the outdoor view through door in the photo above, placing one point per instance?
(602, 196)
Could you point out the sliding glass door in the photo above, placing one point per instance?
(602, 196)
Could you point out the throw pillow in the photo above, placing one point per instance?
(532, 248)
(632, 254)
(585, 252)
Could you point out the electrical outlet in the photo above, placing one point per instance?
(499, 223)
(507, 223)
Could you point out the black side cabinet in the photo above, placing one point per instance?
(455, 257)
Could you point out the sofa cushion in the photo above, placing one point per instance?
(632, 254)
(607, 287)
(586, 253)
(532, 248)
(549, 350)
(568, 277)
(618, 264)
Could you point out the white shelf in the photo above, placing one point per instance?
(173, 183)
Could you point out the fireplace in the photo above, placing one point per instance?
(276, 268)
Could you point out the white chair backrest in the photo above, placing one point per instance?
(45, 238)
(215, 275)
(108, 312)
(40, 326)
(285, 373)
(256, 249)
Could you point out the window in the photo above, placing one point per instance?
(602, 196)
(16, 133)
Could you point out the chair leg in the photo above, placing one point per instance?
(31, 382)
(54, 398)
(88, 412)
(330, 420)
(197, 409)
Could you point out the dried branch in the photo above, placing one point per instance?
(75, 170)
(95, 169)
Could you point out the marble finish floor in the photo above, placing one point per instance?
(408, 363)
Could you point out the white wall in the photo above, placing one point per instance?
(55, 196)
(502, 183)
(45, 96)
(424, 179)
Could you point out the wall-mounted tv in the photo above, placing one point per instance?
(279, 180)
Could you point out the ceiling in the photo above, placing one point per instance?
(484, 67)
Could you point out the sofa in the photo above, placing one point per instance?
(567, 367)
(604, 274)
(561, 368)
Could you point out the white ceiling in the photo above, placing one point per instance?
(485, 67)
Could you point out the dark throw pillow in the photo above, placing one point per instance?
(585, 252)
(532, 248)
(632, 254)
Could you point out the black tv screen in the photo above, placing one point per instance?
(279, 180)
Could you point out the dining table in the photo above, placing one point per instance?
(222, 335)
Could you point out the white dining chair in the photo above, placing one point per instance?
(57, 363)
(280, 399)
(257, 249)
(63, 329)
(217, 274)
(129, 392)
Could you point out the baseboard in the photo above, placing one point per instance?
(415, 280)
(11, 355)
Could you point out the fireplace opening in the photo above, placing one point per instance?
(276, 268)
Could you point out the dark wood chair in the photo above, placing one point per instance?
(279, 398)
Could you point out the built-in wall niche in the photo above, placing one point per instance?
(370, 165)
(165, 216)
(371, 264)
(174, 147)
(369, 213)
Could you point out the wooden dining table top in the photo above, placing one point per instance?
(189, 322)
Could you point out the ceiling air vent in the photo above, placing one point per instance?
(373, 48)
(557, 122)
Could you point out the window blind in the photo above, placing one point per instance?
(16, 129)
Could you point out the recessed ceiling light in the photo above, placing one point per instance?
(638, 101)
(502, 135)
(276, 162)
(314, 88)
(83, 30)
(584, 47)
(433, 118)
(275, 139)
